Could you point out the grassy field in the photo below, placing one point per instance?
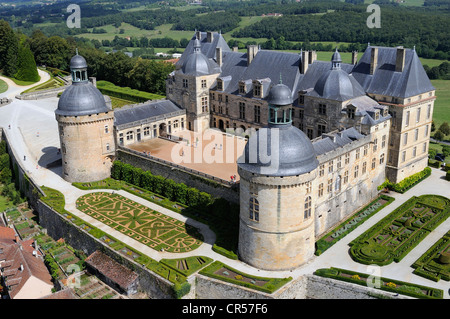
(442, 104)
(3, 86)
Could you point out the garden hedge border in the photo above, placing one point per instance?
(272, 285)
(322, 245)
(400, 254)
(56, 200)
(421, 263)
(333, 273)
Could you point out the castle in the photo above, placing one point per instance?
(328, 133)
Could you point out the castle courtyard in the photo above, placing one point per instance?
(212, 152)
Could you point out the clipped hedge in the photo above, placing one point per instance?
(55, 199)
(221, 216)
(126, 93)
(430, 264)
(345, 228)
(434, 163)
(366, 250)
(386, 284)
(271, 285)
(410, 181)
(168, 188)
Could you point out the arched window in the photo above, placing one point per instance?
(307, 212)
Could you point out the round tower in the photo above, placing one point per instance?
(277, 172)
(85, 125)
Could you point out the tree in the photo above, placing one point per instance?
(446, 150)
(445, 128)
(8, 49)
(26, 67)
(439, 135)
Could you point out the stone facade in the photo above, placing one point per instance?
(87, 146)
(149, 128)
(409, 134)
(281, 236)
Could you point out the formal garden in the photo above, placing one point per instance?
(397, 234)
(219, 270)
(149, 227)
(354, 221)
(386, 284)
(434, 264)
(221, 216)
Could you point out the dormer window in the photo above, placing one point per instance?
(219, 85)
(257, 90)
(242, 88)
(351, 112)
(385, 112)
(377, 115)
(301, 99)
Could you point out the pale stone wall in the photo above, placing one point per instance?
(326, 288)
(226, 107)
(348, 177)
(409, 134)
(282, 238)
(145, 130)
(210, 288)
(192, 94)
(87, 146)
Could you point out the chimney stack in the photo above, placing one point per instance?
(235, 49)
(400, 59)
(198, 34)
(304, 61)
(209, 37)
(312, 57)
(252, 50)
(373, 60)
(354, 57)
(219, 56)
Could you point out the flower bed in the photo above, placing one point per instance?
(398, 233)
(223, 272)
(386, 284)
(343, 229)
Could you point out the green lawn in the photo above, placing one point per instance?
(441, 111)
(3, 86)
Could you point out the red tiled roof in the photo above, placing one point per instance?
(7, 234)
(15, 257)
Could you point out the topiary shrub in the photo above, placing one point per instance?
(444, 257)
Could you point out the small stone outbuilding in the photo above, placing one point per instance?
(117, 276)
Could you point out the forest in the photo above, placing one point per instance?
(310, 25)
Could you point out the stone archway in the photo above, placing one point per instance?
(221, 126)
(163, 129)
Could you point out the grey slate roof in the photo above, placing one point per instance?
(338, 85)
(130, 114)
(385, 81)
(81, 98)
(208, 49)
(327, 144)
(278, 150)
(266, 66)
